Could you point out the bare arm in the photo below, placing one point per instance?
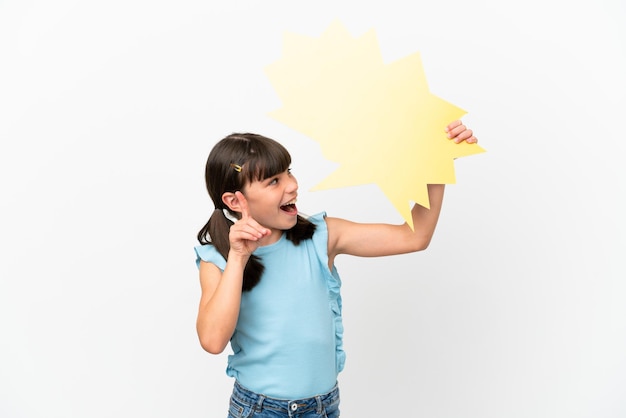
(219, 303)
(221, 291)
(372, 240)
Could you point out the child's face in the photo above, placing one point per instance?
(271, 202)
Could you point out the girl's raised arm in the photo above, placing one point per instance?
(372, 240)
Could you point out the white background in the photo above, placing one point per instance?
(108, 111)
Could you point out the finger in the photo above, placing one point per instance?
(463, 135)
(248, 229)
(243, 204)
(245, 215)
(460, 132)
(453, 133)
(256, 228)
(452, 126)
(246, 234)
(246, 219)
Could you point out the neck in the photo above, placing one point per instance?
(273, 237)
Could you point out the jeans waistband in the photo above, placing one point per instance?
(261, 402)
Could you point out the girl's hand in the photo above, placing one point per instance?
(458, 133)
(245, 234)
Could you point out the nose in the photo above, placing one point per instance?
(292, 185)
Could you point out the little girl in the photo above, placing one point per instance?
(269, 283)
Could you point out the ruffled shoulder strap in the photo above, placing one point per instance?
(333, 282)
(320, 237)
(209, 254)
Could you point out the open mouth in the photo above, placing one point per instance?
(289, 207)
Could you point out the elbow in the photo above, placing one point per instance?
(212, 345)
(421, 244)
(213, 342)
(213, 350)
(417, 239)
(213, 337)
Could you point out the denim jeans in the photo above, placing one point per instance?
(247, 404)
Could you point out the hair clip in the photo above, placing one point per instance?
(235, 167)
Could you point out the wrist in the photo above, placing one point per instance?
(237, 258)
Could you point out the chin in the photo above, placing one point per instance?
(293, 222)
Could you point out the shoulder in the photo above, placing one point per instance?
(209, 254)
(317, 219)
(337, 227)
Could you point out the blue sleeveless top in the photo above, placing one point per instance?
(288, 342)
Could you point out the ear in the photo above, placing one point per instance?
(231, 200)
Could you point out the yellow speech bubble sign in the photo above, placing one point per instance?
(378, 121)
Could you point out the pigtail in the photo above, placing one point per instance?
(215, 233)
(252, 273)
(219, 228)
(302, 230)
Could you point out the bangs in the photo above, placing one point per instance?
(265, 158)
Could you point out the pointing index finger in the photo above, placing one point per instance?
(243, 203)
